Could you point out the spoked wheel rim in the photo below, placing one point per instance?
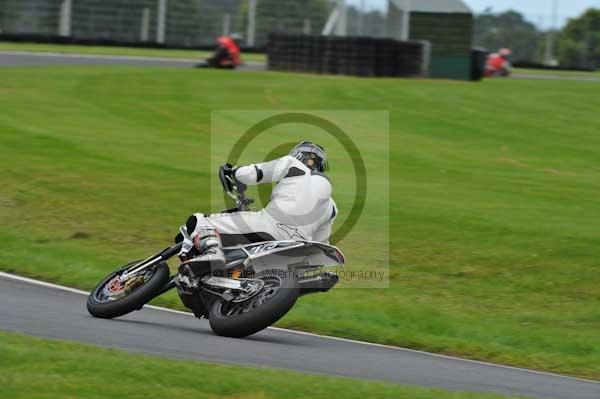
(115, 289)
(271, 287)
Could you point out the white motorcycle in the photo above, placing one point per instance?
(259, 284)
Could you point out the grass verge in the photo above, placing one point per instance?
(494, 193)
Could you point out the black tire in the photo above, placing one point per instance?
(259, 318)
(134, 301)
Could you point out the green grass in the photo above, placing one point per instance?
(495, 199)
(41, 368)
(107, 50)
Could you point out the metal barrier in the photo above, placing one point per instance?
(169, 22)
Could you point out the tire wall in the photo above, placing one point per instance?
(358, 56)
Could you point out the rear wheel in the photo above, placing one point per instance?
(240, 319)
(114, 298)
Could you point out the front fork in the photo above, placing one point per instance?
(153, 260)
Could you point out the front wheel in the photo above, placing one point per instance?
(114, 298)
(240, 319)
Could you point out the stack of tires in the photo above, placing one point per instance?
(357, 56)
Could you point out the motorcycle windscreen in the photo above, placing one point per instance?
(297, 254)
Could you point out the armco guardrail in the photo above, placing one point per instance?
(358, 56)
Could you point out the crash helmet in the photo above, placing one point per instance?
(310, 154)
(505, 52)
(237, 37)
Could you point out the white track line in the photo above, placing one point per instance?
(81, 292)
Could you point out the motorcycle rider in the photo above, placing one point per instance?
(227, 53)
(498, 64)
(300, 208)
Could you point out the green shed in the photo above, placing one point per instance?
(446, 24)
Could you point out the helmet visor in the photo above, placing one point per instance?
(311, 155)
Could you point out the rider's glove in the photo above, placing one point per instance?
(228, 171)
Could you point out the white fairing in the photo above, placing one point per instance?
(300, 201)
(292, 254)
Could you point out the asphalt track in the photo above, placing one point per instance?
(25, 58)
(45, 310)
(550, 76)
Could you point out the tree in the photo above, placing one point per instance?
(286, 16)
(508, 29)
(579, 41)
(365, 23)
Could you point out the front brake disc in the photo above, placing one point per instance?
(133, 283)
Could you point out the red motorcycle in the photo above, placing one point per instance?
(498, 64)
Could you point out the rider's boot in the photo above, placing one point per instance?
(202, 255)
(208, 247)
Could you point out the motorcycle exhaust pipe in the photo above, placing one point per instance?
(320, 283)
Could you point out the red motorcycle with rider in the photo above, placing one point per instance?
(498, 64)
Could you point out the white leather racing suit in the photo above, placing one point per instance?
(301, 207)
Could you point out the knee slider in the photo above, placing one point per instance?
(192, 223)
